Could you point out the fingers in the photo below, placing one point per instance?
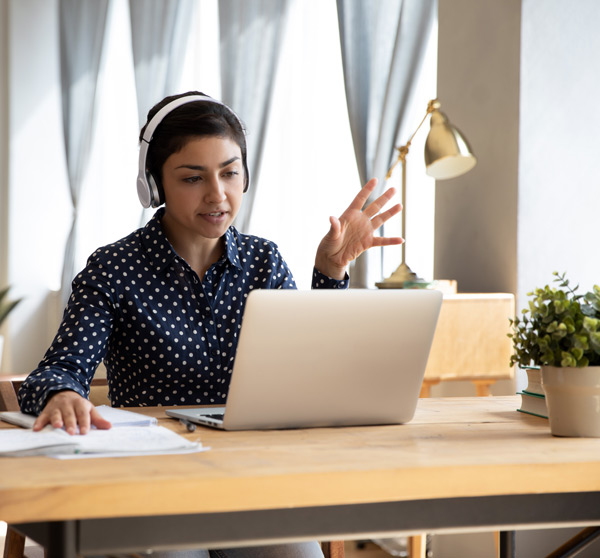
(98, 421)
(387, 240)
(354, 231)
(49, 416)
(376, 206)
(363, 195)
(381, 218)
(69, 410)
(40, 422)
(81, 418)
(335, 229)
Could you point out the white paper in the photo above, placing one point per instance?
(116, 416)
(70, 456)
(132, 439)
(121, 417)
(28, 442)
(125, 440)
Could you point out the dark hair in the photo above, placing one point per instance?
(191, 120)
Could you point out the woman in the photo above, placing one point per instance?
(163, 306)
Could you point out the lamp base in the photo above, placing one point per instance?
(402, 275)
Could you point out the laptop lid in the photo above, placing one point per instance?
(330, 358)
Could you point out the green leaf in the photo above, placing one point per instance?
(568, 360)
(580, 342)
(6, 307)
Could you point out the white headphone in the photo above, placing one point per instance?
(147, 188)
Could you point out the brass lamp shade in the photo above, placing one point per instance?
(447, 153)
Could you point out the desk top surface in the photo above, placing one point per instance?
(454, 447)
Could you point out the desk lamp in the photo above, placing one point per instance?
(447, 155)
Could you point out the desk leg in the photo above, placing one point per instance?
(61, 540)
(482, 387)
(507, 544)
(417, 546)
(426, 387)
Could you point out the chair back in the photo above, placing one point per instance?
(8, 394)
(9, 388)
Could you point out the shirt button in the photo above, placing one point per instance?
(214, 352)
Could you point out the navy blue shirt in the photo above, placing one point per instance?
(167, 337)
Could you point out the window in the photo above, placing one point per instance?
(308, 169)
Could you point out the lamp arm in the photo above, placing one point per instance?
(403, 150)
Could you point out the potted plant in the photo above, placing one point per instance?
(6, 307)
(560, 333)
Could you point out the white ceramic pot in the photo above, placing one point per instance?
(573, 400)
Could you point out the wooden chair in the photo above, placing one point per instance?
(8, 395)
(14, 544)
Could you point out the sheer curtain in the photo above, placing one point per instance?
(251, 37)
(383, 45)
(82, 26)
(160, 30)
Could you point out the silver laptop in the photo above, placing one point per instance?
(326, 358)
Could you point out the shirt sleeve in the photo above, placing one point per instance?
(79, 345)
(281, 276)
(320, 281)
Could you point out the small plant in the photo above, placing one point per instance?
(6, 306)
(560, 328)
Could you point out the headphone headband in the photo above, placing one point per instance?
(147, 188)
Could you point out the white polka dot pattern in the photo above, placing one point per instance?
(166, 337)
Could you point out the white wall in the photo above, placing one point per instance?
(559, 191)
(559, 183)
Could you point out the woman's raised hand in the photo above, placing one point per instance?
(354, 232)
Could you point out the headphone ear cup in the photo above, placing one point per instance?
(144, 191)
(155, 191)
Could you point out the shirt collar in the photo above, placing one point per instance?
(157, 248)
(232, 247)
(160, 253)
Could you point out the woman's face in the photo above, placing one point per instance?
(203, 185)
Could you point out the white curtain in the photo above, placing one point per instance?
(251, 36)
(383, 44)
(82, 26)
(160, 30)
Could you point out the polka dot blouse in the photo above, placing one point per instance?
(167, 337)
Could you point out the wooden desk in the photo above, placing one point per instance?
(463, 464)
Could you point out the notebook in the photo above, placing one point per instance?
(326, 358)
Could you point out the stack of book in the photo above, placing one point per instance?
(533, 398)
